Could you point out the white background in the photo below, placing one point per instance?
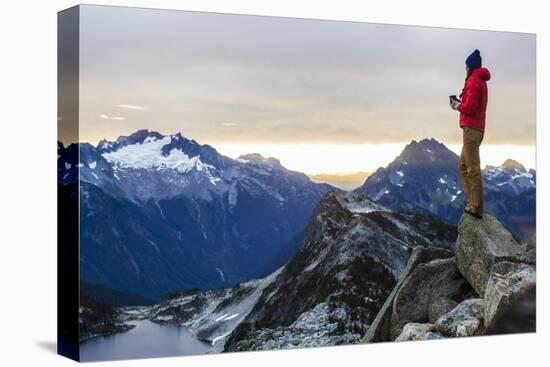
(28, 181)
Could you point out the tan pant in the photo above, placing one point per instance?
(470, 170)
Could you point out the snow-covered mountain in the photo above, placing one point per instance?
(510, 177)
(424, 179)
(160, 213)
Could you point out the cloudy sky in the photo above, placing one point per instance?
(285, 86)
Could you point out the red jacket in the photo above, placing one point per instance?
(474, 100)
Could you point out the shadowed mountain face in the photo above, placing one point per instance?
(163, 213)
(112, 297)
(424, 179)
(353, 253)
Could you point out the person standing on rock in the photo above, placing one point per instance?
(472, 110)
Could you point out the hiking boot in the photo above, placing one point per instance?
(472, 213)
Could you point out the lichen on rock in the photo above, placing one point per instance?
(481, 243)
(466, 319)
(416, 331)
(379, 330)
(440, 307)
(428, 282)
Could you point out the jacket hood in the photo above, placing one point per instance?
(482, 73)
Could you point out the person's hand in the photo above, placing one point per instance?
(454, 104)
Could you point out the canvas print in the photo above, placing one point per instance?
(239, 183)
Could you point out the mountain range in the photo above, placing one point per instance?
(162, 213)
(424, 179)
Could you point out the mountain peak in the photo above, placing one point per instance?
(426, 143)
(512, 164)
(102, 143)
(429, 142)
(257, 157)
(178, 136)
(426, 150)
(426, 165)
(252, 157)
(139, 136)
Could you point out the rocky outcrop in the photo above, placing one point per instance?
(440, 307)
(353, 254)
(480, 245)
(508, 285)
(414, 331)
(379, 330)
(466, 319)
(437, 294)
(428, 282)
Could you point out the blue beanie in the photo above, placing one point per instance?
(474, 60)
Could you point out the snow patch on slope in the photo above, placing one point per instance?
(223, 312)
(148, 155)
(357, 204)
